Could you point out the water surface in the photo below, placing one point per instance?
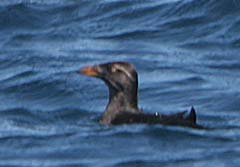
(186, 53)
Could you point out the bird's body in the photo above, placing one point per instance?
(122, 81)
(177, 119)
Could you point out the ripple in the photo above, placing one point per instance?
(186, 53)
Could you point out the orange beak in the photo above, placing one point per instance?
(89, 71)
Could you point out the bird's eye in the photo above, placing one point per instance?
(116, 70)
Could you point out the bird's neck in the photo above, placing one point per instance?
(120, 101)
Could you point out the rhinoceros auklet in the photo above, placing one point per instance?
(122, 81)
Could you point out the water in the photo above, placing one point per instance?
(186, 53)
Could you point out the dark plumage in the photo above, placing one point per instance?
(122, 81)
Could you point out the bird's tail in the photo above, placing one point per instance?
(192, 117)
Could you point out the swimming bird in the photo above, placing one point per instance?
(122, 108)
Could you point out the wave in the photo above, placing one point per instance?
(40, 115)
(190, 21)
(184, 50)
(22, 122)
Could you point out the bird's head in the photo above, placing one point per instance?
(119, 76)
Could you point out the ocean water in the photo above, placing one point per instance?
(187, 53)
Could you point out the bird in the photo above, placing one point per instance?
(121, 79)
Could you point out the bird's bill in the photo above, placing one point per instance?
(90, 71)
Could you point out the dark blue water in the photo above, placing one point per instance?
(187, 52)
